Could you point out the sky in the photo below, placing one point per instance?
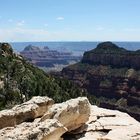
(69, 20)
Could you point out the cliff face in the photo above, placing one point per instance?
(112, 74)
(75, 119)
(109, 54)
(45, 57)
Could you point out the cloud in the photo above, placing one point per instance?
(21, 23)
(10, 20)
(100, 28)
(132, 29)
(60, 18)
(46, 25)
(23, 34)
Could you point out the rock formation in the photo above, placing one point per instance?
(72, 114)
(112, 74)
(105, 124)
(47, 130)
(28, 111)
(108, 53)
(75, 119)
(45, 57)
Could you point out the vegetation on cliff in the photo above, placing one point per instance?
(108, 47)
(19, 81)
(111, 48)
(107, 53)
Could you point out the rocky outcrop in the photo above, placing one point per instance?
(72, 114)
(40, 120)
(109, 73)
(124, 133)
(46, 130)
(27, 111)
(75, 119)
(107, 124)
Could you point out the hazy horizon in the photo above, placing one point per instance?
(73, 41)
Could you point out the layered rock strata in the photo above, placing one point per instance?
(112, 75)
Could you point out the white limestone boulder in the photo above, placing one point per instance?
(28, 111)
(72, 114)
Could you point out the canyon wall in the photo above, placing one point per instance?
(112, 74)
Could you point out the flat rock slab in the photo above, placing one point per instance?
(105, 124)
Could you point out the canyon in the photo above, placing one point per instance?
(112, 75)
(48, 58)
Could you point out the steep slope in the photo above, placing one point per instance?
(19, 81)
(112, 74)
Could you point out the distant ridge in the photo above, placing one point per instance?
(31, 48)
(45, 57)
(108, 53)
(108, 47)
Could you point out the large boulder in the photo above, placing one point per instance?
(47, 130)
(72, 114)
(27, 111)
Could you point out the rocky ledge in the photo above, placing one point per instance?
(76, 119)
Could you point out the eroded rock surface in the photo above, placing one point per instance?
(47, 130)
(105, 124)
(27, 111)
(75, 119)
(72, 114)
